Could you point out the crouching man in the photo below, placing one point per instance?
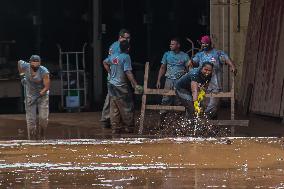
(119, 67)
(188, 86)
(36, 86)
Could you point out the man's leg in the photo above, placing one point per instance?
(126, 108)
(167, 100)
(212, 103)
(185, 98)
(31, 118)
(212, 108)
(105, 119)
(43, 111)
(115, 119)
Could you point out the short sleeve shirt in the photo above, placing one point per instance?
(119, 64)
(113, 49)
(195, 75)
(217, 58)
(34, 84)
(176, 64)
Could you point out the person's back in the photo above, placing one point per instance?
(113, 49)
(119, 64)
(121, 105)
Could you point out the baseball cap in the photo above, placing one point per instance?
(205, 39)
(35, 58)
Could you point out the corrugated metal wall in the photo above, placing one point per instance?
(264, 58)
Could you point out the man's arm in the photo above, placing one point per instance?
(194, 90)
(162, 72)
(20, 69)
(106, 66)
(46, 83)
(131, 78)
(231, 65)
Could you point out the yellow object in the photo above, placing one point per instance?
(201, 95)
(197, 107)
(196, 104)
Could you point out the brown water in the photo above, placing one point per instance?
(143, 163)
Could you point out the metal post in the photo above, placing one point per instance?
(98, 90)
(84, 66)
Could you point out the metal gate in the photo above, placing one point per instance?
(73, 79)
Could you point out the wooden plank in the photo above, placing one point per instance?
(142, 115)
(252, 43)
(242, 123)
(167, 92)
(144, 99)
(267, 81)
(282, 103)
(164, 107)
(233, 105)
(220, 94)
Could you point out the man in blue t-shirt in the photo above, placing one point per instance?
(174, 64)
(119, 67)
(113, 49)
(218, 58)
(36, 86)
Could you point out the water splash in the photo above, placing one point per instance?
(177, 124)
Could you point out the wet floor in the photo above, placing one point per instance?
(80, 154)
(143, 163)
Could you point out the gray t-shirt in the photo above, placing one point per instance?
(33, 84)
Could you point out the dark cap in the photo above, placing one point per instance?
(35, 58)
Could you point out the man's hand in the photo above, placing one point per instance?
(233, 69)
(22, 76)
(42, 92)
(190, 65)
(158, 85)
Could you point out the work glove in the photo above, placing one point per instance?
(196, 107)
(139, 89)
(201, 95)
(23, 78)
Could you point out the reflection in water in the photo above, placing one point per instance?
(143, 163)
(150, 178)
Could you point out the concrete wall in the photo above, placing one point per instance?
(238, 30)
(229, 29)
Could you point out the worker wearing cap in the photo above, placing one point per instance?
(217, 58)
(37, 84)
(113, 49)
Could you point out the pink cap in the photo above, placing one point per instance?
(205, 39)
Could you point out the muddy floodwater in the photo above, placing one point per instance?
(143, 163)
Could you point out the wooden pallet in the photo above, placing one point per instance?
(147, 91)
